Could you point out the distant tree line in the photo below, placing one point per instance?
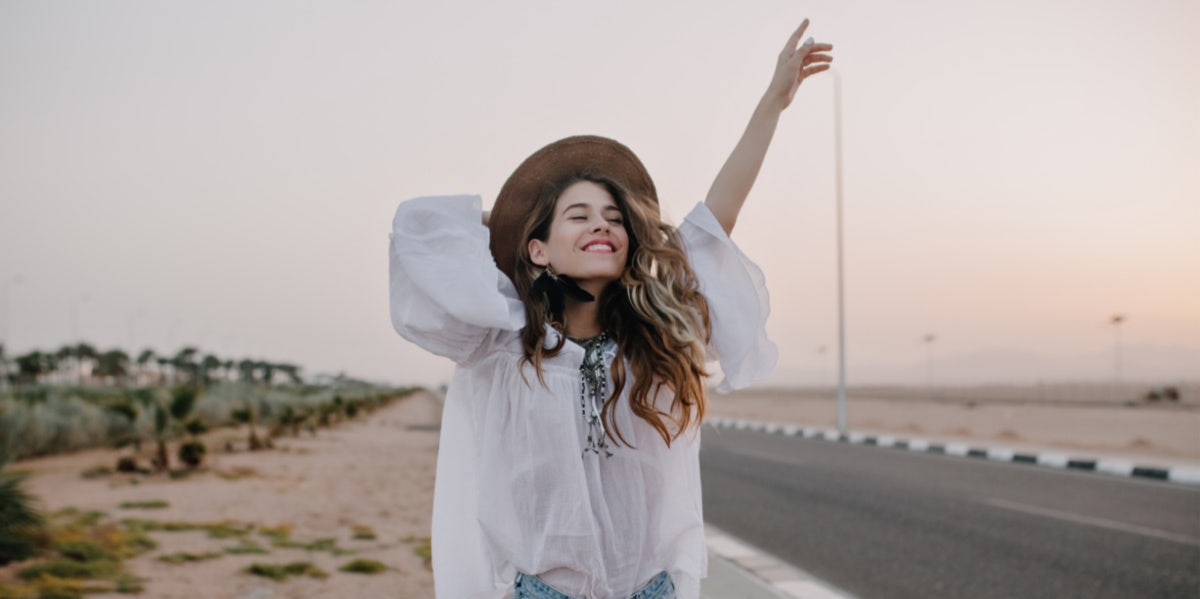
(83, 364)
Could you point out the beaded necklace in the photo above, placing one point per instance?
(593, 386)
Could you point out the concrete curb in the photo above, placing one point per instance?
(738, 569)
(1183, 475)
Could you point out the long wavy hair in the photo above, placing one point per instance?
(655, 312)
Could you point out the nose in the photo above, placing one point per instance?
(602, 225)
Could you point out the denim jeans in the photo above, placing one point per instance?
(532, 587)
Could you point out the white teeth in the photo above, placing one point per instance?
(599, 247)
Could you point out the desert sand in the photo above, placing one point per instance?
(375, 472)
(1166, 435)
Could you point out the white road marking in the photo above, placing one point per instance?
(1054, 460)
(727, 546)
(1118, 467)
(1092, 521)
(1190, 476)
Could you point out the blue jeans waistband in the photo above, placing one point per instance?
(532, 587)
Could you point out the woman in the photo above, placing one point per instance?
(580, 324)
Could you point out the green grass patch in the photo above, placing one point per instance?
(46, 587)
(184, 557)
(84, 551)
(421, 548)
(245, 547)
(276, 533)
(326, 544)
(364, 533)
(153, 504)
(96, 472)
(364, 566)
(69, 568)
(217, 530)
(282, 571)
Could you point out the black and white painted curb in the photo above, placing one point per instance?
(776, 577)
(1184, 475)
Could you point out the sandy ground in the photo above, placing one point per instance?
(1162, 435)
(375, 472)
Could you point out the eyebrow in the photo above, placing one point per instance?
(583, 205)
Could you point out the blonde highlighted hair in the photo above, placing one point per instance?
(655, 312)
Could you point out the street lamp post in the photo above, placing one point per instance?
(837, 143)
(1116, 321)
(81, 298)
(928, 339)
(821, 361)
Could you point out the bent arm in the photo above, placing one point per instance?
(795, 63)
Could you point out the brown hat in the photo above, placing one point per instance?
(573, 155)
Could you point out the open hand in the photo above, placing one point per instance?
(796, 63)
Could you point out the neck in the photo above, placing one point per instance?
(582, 319)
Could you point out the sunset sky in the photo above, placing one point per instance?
(225, 173)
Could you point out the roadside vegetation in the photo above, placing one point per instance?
(156, 411)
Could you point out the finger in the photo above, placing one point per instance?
(795, 38)
(817, 58)
(809, 71)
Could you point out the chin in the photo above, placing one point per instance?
(608, 275)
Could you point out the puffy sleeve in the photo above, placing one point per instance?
(446, 293)
(737, 300)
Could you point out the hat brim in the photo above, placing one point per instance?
(570, 156)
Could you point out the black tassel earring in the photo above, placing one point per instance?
(557, 287)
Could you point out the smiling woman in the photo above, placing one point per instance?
(578, 289)
(584, 238)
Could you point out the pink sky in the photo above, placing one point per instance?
(1015, 173)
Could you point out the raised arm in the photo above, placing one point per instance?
(732, 185)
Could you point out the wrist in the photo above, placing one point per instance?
(771, 105)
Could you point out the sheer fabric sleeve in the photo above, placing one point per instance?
(737, 300)
(446, 293)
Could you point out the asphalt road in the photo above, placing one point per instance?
(891, 524)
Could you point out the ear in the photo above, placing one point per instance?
(537, 252)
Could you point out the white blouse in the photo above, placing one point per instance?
(514, 489)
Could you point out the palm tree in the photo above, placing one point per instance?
(292, 371)
(126, 409)
(207, 365)
(113, 364)
(84, 351)
(268, 370)
(246, 369)
(144, 358)
(22, 526)
(185, 361)
(183, 399)
(31, 366)
(249, 415)
(65, 359)
(165, 377)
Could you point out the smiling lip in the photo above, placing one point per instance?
(600, 247)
